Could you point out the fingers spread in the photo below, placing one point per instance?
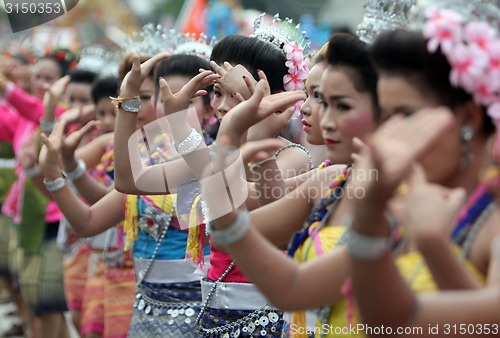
(147, 66)
(249, 84)
(165, 89)
(218, 69)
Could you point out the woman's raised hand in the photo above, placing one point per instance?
(56, 144)
(70, 143)
(258, 107)
(399, 143)
(179, 101)
(426, 209)
(132, 82)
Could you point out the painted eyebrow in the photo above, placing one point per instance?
(404, 108)
(339, 97)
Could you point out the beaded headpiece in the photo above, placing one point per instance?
(280, 32)
(466, 32)
(151, 40)
(99, 60)
(288, 39)
(188, 44)
(382, 15)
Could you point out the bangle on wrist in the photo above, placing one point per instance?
(189, 144)
(234, 232)
(261, 163)
(365, 247)
(55, 185)
(32, 172)
(214, 148)
(78, 172)
(131, 104)
(47, 126)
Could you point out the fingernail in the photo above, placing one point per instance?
(244, 76)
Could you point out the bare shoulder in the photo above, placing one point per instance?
(104, 140)
(295, 158)
(481, 249)
(319, 182)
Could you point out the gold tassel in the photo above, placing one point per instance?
(299, 319)
(194, 246)
(130, 223)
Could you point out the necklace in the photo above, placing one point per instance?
(474, 229)
(321, 210)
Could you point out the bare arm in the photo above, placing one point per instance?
(287, 284)
(88, 188)
(126, 125)
(86, 221)
(293, 209)
(428, 213)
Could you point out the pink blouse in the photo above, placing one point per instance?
(26, 105)
(14, 129)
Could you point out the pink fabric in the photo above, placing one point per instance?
(14, 129)
(219, 262)
(27, 105)
(316, 241)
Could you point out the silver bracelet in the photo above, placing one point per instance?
(261, 163)
(366, 247)
(32, 172)
(47, 126)
(234, 232)
(191, 142)
(132, 105)
(55, 185)
(78, 172)
(214, 148)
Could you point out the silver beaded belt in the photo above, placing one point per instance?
(236, 296)
(255, 320)
(167, 271)
(160, 308)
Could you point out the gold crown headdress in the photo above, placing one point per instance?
(382, 15)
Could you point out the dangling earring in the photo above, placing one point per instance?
(466, 135)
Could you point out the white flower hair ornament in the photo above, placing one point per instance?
(283, 36)
(473, 50)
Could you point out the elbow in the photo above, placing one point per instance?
(122, 186)
(82, 232)
(119, 186)
(283, 304)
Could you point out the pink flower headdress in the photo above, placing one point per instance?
(294, 46)
(472, 47)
